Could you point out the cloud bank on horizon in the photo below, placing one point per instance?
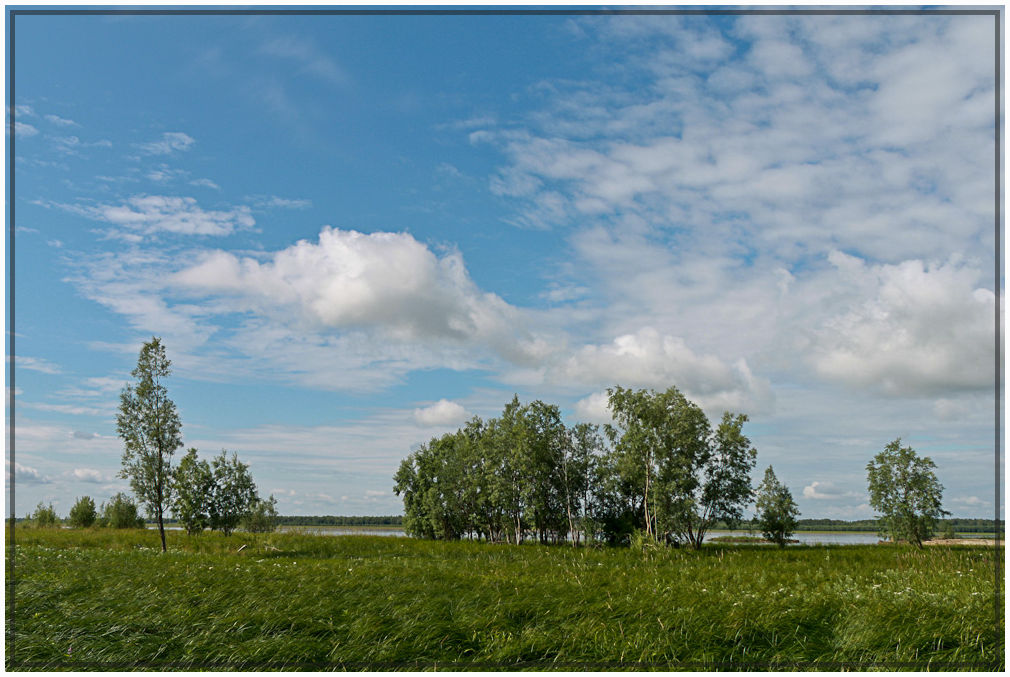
(350, 243)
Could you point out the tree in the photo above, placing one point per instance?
(120, 513)
(233, 492)
(682, 476)
(262, 516)
(192, 488)
(151, 430)
(83, 514)
(45, 516)
(904, 490)
(776, 509)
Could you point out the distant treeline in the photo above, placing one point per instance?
(340, 520)
(963, 525)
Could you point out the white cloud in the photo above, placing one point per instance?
(916, 329)
(24, 130)
(823, 491)
(150, 214)
(23, 473)
(971, 501)
(311, 59)
(594, 409)
(35, 364)
(380, 281)
(275, 202)
(652, 360)
(170, 143)
(74, 410)
(88, 475)
(442, 413)
(205, 183)
(62, 122)
(164, 174)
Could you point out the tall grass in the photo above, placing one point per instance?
(104, 599)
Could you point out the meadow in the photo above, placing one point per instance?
(108, 599)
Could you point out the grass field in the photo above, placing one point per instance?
(108, 600)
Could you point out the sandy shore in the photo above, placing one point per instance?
(962, 541)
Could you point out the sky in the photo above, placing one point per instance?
(353, 233)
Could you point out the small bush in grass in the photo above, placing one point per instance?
(45, 516)
(83, 514)
(121, 513)
(262, 516)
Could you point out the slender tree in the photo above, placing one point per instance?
(776, 509)
(151, 430)
(904, 490)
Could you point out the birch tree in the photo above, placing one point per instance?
(151, 431)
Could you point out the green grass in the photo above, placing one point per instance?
(104, 599)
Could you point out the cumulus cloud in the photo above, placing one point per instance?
(88, 475)
(442, 413)
(150, 214)
(23, 473)
(381, 281)
(823, 491)
(169, 143)
(653, 360)
(594, 408)
(917, 329)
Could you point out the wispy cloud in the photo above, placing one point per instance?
(308, 56)
(275, 202)
(151, 214)
(205, 183)
(61, 122)
(35, 364)
(170, 142)
(23, 129)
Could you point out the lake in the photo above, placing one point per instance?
(814, 537)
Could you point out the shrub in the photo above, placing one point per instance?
(83, 514)
(121, 513)
(45, 516)
(262, 516)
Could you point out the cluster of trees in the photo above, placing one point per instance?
(218, 495)
(119, 513)
(660, 468)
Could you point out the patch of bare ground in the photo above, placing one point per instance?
(962, 541)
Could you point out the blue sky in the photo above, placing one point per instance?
(352, 233)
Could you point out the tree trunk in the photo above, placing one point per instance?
(161, 530)
(645, 499)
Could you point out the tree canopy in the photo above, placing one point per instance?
(905, 491)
